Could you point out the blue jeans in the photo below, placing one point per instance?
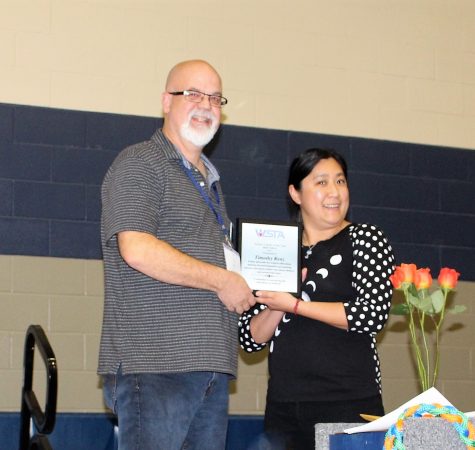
(173, 411)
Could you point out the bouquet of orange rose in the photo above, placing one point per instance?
(420, 304)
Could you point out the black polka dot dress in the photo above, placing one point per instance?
(312, 361)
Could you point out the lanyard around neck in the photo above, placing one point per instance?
(207, 199)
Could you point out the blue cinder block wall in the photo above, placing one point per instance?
(52, 163)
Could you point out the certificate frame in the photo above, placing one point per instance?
(270, 252)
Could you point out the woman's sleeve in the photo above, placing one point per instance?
(373, 263)
(245, 338)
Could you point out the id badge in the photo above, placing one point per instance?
(232, 258)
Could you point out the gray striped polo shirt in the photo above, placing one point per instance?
(148, 325)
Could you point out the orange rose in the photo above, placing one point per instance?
(422, 279)
(397, 277)
(409, 271)
(448, 278)
(403, 274)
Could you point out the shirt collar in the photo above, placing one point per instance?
(171, 152)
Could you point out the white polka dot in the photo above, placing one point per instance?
(335, 260)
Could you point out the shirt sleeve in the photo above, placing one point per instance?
(246, 340)
(373, 263)
(131, 196)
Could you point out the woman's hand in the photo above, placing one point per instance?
(277, 301)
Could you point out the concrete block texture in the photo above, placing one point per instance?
(346, 70)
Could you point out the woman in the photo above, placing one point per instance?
(323, 362)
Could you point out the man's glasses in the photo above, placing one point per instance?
(197, 97)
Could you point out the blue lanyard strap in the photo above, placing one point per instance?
(207, 199)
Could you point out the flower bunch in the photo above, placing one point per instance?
(420, 304)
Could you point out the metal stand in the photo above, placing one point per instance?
(30, 409)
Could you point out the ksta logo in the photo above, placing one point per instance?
(274, 234)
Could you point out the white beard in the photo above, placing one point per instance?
(199, 137)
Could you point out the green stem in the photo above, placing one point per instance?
(426, 349)
(438, 325)
(437, 352)
(415, 345)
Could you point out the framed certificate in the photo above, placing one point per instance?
(270, 255)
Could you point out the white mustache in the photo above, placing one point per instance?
(202, 115)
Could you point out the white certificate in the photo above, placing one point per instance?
(270, 255)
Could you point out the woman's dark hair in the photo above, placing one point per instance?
(303, 164)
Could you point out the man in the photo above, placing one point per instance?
(169, 335)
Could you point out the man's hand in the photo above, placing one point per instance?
(235, 293)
